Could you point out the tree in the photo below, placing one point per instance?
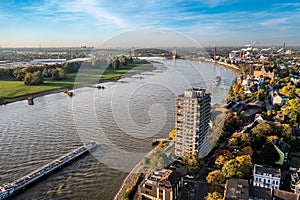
(158, 160)
(47, 72)
(233, 141)
(261, 95)
(293, 111)
(287, 131)
(115, 64)
(246, 151)
(240, 167)
(58, 74)
(269, 153)
(238, 89)
(272, 138)
(193, 163)
(230, 92)
(214, 196)
(245, 139)
(130, 60)
(28, 79)
(222, 156)
(172, 134)
(263, 129)
(215, 179)
(294, 104)
(71, 67)
(232, 122)
(34, 78)
(19, 73)
(288, 91)
(123, 60)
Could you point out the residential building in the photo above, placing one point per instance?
(239, 189)
(285, 195)
(259, 193)
(234, 54)
(266, 177)
(163, 184)
(277, 98)
(262, 72)
(236, 189)
(192, 122)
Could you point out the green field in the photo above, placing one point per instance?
(10, 88)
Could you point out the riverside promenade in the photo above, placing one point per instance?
(135, 172)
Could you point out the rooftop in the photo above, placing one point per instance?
(194, 92)
(237, 189)
(266, 171)
(164, 177)
(260, 193)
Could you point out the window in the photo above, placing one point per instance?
(148, 187)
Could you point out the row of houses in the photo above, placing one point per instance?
(165, 184)
(265, 186)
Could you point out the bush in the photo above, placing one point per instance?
(34, 78)
(130, 192)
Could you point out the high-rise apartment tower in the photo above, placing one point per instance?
(192, 121)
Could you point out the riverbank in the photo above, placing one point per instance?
(223, 64)
(231, 66)
(13, 91)
(218, 116)
(133, 174)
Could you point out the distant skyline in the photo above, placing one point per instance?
(70, 23)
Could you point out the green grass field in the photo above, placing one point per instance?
(10, 88)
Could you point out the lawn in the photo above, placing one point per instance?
(10, 88)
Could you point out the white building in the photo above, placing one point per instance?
(234, 54)
(266, 177)
(277, 98)
(192, 122)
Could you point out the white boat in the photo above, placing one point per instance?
(217, 81)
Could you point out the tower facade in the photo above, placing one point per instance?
(192, 121)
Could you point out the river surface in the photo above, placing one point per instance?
(123, 119)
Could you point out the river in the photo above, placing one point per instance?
(123, 118)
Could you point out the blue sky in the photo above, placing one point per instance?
(210, 22)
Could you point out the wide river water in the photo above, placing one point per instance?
(125, 116)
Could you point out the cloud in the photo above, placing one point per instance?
(91, 10)
(281, 5)
(215, 3)
(213, 18)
